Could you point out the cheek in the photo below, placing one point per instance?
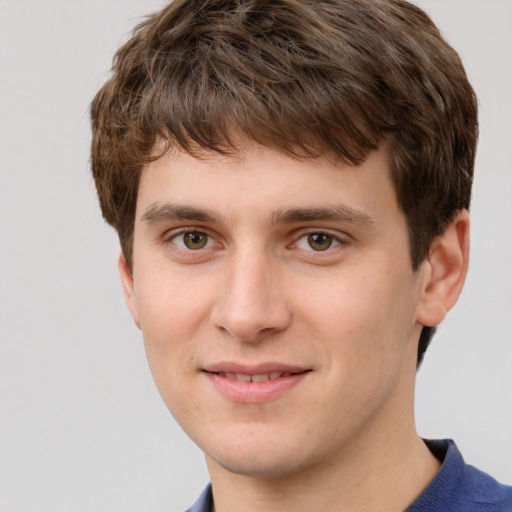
(365, 323)
(170, 350)
(171, 301)
(344, 306)
(172, 310)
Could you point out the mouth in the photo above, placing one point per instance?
(257, 377)
(257, 384)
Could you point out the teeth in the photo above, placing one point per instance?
(260, 377)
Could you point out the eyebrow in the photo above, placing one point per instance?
(160, 212)
(338, 213)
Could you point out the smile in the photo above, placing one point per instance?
(254, 385)
(259, 377)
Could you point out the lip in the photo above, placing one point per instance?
(254, 392)
(253, 369)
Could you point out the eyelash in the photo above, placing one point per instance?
(190, 231)
(334, 241)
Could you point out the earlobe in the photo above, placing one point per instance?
(444, 272)
(125, 272)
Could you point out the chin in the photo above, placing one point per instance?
(263, 457)
(266, 465)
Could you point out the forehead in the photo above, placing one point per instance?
(262, 180)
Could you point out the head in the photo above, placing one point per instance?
(213, 102)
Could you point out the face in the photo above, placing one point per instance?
(278, 305)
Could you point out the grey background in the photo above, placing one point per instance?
(82, 427)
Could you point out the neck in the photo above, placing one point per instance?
(386, 476)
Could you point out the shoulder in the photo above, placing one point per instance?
(479, 488)
(461, 487)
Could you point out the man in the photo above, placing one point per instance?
(290, 183)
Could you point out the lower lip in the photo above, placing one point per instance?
(254, 392)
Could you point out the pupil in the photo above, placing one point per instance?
(195, 240)
(319, 241)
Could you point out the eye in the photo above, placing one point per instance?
(317, 242)
(192, 240)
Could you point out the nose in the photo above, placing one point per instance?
(251, 302)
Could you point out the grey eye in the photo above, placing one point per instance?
(192, 240)
(317, 242)
(320, 241)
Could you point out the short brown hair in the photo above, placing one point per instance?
(305, 77)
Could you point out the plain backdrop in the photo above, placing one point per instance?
(82, 427)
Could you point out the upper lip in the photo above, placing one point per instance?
(253, 369)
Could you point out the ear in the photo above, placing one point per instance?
(125, 272)
(444, 271)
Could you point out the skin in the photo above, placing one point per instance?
(260, 291)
